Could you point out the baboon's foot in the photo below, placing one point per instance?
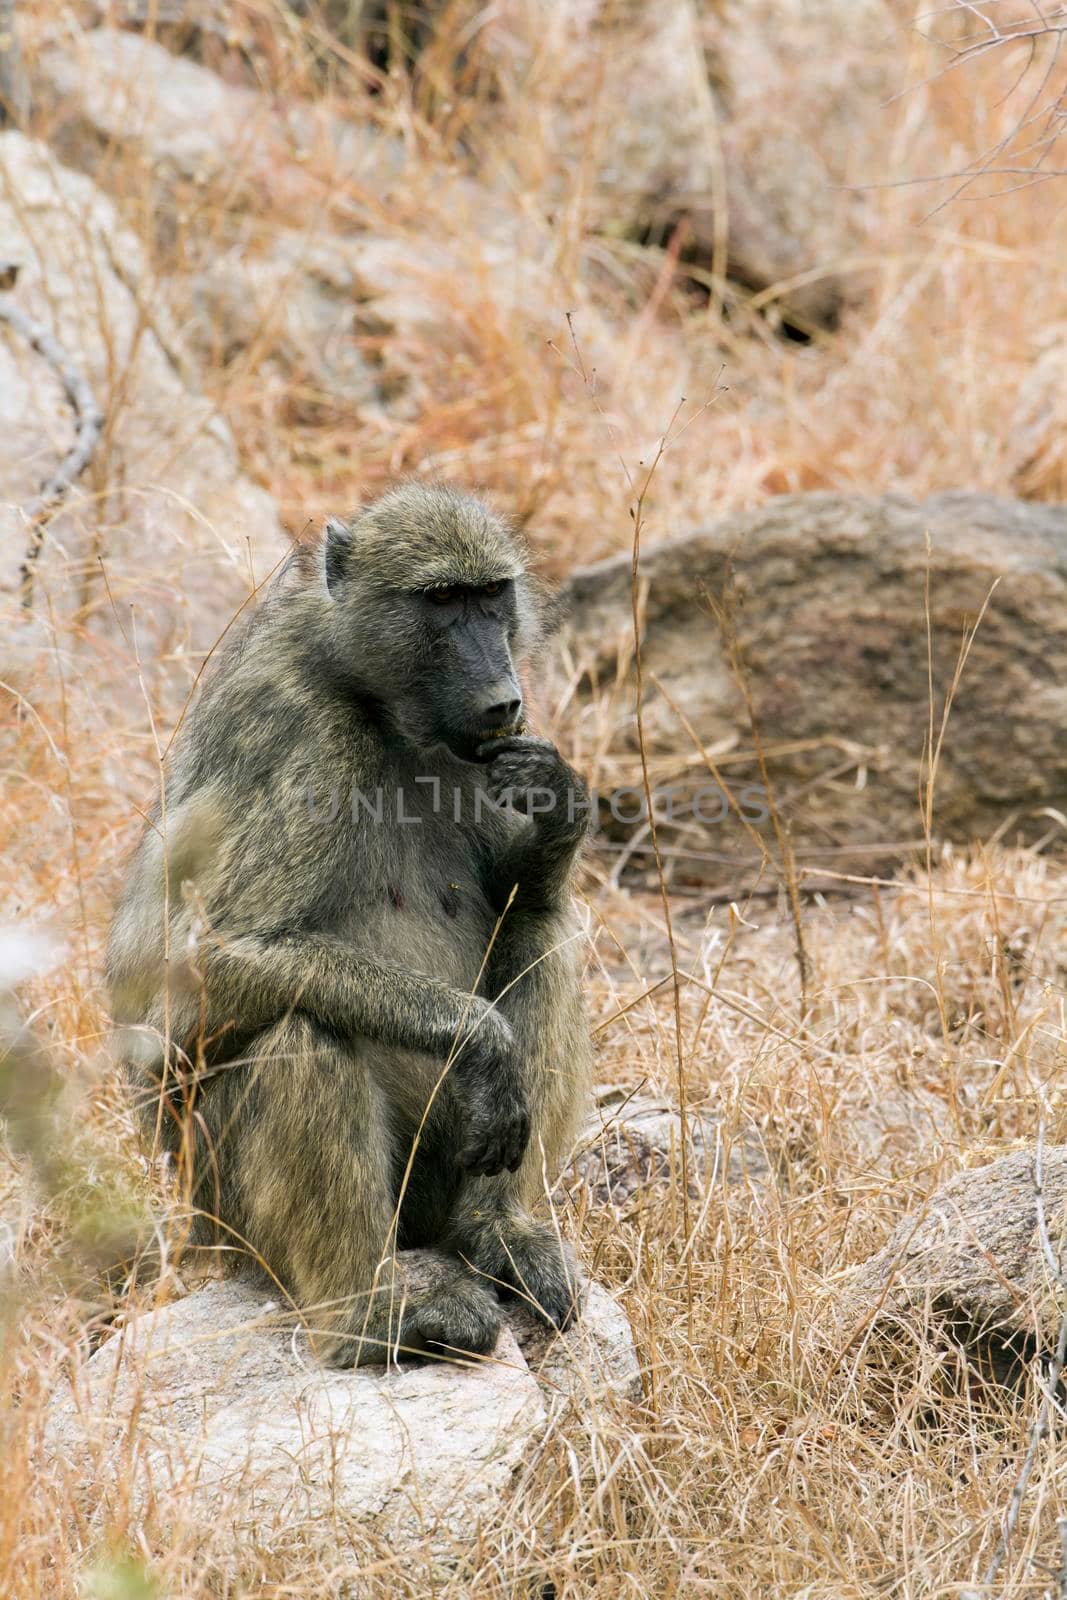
(435, 1307)
(530, 1261)
(460, 1321)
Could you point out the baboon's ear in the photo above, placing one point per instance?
(555, 609)
(540, 613)
(338, 552)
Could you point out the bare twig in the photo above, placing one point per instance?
(89, 420)
(1039, 76)
(637, 515)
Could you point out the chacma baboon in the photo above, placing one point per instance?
(344, 964)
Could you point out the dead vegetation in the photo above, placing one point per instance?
(770, 1454)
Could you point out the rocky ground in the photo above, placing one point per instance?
(768, 298)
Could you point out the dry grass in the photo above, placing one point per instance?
(766, 1458)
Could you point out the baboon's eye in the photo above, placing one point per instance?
(444, 595)
(492, 588)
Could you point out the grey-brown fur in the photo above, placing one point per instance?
(308, 979)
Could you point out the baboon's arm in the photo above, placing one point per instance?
(536, 874)
(532, 968)
(532, 973)
(260, 980)
(252, 981)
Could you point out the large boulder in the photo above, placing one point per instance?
(680, 145)
(163, 507)
(822, 604)
(149, 124)
(676, 138)
(214, 1403)
(107, 93)
(320, 309)
(797, 209)
(292, 311)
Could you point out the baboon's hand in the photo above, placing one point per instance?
(495, 1111)
(530, 774)
(497, 1132)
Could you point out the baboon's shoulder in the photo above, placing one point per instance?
(268, 706)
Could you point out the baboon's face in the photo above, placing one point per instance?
(466, 686)
(433, 608)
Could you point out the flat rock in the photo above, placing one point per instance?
(971, 1260)
(593, 1359)
(213, 1400)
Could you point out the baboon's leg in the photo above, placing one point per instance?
(309, 1158)
(492, 1225)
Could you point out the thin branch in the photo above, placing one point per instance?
(1044, 109)
(89, 423)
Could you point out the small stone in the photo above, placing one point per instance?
(971, 1262)
(633, 1143)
